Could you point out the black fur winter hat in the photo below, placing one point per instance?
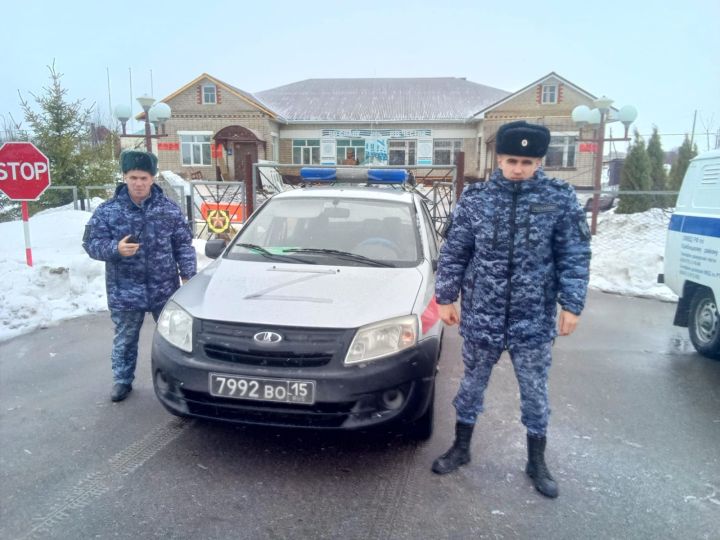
(522, 139)
(135, 160)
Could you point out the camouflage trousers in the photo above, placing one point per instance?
(125, 344)
(531, 364)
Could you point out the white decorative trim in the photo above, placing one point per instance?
(377, 133)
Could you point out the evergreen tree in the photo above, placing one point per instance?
(686, 152)
(635, 176)
(10, 132)
(658, 177)
(61, 130)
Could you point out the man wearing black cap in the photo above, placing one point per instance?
(146, 244)
(517, 246)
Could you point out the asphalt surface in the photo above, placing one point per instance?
(633, 442)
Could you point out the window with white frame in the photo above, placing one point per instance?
(350, 149)
(562, 150)
(549, 94)
(195, 147)
(401, 152)
(444, 151)
(306, 151)
(209, 94)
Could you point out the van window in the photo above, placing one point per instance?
(707, 194)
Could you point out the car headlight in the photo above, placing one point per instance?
(175, 325)
(378, 340)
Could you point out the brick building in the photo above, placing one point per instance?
(395, 121)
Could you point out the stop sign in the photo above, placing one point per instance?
(24, 171)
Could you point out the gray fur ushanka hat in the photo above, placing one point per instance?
(135, 160)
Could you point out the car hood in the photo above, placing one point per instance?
(299, 294)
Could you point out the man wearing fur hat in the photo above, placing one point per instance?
(517, 246)
(146, 244)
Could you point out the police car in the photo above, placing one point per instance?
(320, 313)
(692, 254)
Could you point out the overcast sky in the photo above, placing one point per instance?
(662, 60)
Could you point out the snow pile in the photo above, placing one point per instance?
(64, 282)
(628, 254)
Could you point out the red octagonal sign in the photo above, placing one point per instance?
(24, 171)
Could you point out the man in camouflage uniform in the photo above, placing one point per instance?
(144, 240)
(517, 246)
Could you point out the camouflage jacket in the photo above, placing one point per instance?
(515, 249)
(146, 280)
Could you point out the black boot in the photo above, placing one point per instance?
(459, 453)
(536, 468)
(120, 391)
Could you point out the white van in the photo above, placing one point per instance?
(692, 253)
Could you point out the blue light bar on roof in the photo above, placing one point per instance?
(354, 176)
(316, 174)
(387, 176)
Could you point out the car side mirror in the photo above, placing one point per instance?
(215, 247)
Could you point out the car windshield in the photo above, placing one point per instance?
(339, 231)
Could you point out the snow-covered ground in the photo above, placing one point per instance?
(64, 282)
(628, 254)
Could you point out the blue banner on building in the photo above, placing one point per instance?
(376, 151)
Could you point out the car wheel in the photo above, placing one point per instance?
(704, 323)
(422, 428)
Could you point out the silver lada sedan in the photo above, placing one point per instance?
(320, 313)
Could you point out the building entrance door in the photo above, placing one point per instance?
(240, 150)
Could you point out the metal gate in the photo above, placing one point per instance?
(435, 184)
(216, 208)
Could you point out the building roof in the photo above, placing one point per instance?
(441, 99)
(245, 96)
(480, 113)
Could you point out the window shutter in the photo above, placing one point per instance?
(560, 89)
(218, 97)
(538, 97)
(198, 89)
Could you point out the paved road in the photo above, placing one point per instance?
(634, 443)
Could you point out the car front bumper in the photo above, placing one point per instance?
(398, 388)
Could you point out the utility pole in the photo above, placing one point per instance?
(692, 133)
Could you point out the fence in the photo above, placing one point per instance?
(220, 207)
(436, 185)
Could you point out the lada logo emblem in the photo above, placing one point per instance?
(267, 337)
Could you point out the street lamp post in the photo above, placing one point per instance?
(155, 113)
(599, 117)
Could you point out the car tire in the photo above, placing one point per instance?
(704, 323)
(422, 428)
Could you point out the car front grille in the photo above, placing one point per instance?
(299, 347)
(266, 358)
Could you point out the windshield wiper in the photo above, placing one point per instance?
(338, 253)
(270, 255)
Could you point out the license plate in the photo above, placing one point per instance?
(259, 389)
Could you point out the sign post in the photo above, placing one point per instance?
(24, 176)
